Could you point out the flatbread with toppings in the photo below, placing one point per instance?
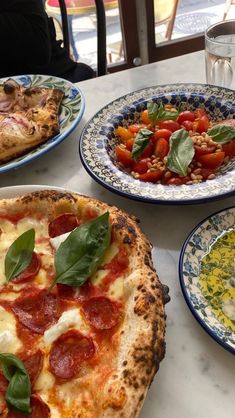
(28, 117)
(82, 318)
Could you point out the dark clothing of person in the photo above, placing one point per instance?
(29, 46)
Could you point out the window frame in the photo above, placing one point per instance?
(156, 52)
(169, 49)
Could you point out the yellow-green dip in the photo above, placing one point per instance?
(217, 278)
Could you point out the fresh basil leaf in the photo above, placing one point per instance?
(222, 133)
(181, 152)
(156, 112)
(153, 110)
(141, 142)
(19, 389)
(79, 256)
(19, 255)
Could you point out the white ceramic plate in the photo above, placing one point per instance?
(98, 142)
(72, 109)
(196, 246)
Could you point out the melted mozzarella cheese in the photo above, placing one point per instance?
(116, 289)
(56, 241)
(9, 342)
(54, 412)
(45, 381)
(97, 278)
(40, 226)
(69, 319)
(110, 253)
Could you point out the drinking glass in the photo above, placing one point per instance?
(220, 54)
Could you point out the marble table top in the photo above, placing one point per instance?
(196, 378)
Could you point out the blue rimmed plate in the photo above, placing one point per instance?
(98, 142)
(204, 294)
(72, 109)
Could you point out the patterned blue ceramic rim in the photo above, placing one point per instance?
(185, 292)
(44, 148)
(107, 118)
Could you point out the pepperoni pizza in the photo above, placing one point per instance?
(82, 317)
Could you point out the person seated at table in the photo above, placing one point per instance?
(29, 46)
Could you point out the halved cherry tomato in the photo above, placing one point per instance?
(152, 176)
(186, 115)
(206, 172)
(129, 144)
(148, 151)
(123, 133)
(188, 125)
(212, 161)
(185, 179)
(141, 166)
(174, 181)
(229, 148)
(161, 133)
(199, 112)
(135, 128)
(202, 124)
(123, 156)
(145, 117)
(203, 151)
(171, 125)
(161, 148)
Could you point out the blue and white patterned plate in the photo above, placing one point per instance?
(196, 246)
(98, 142)
(72, 109)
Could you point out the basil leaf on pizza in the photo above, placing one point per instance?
(19, 254)
(79, 256)
(19, 389)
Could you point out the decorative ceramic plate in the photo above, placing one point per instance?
(98, 142)
(72, 109)
(208, 284)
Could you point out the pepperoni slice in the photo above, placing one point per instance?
(3, 384)
(37, 311)
(30, 271)
(33, 364)
(39, 409)
(62, 224)
(80, 294)
(101, 312)
(68, 352)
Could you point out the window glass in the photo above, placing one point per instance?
(82, 24)
(176, 19)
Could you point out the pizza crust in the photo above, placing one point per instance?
(141, 344)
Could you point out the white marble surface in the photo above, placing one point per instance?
(196, 378)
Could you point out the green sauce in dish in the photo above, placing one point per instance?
(217, 278)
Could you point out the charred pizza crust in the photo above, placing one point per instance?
(141, 336)
(28, 117)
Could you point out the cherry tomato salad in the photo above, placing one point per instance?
(173, 146)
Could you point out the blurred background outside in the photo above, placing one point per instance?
(187, 17)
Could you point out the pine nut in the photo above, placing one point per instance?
(211, 176)
(197, 171)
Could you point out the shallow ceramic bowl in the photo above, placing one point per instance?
(196, 246)
(72, 109)
(98, 140)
